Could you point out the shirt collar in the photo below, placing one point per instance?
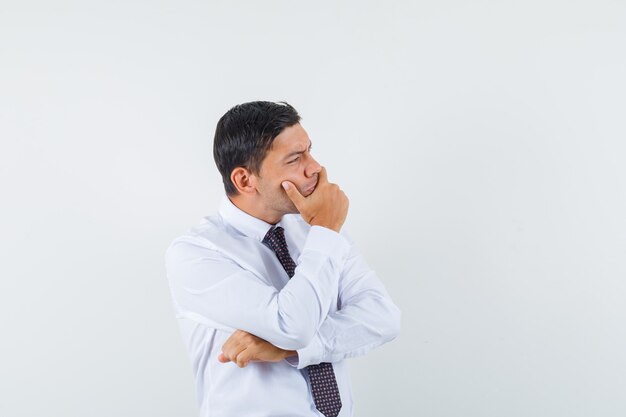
(245, 223)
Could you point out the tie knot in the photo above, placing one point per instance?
(275, 239)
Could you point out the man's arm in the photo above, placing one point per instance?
(367, 318)
(207, 284)
(243, 347)
(352, 331)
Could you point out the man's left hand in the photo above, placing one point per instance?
(243, 347)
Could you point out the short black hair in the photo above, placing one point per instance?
(244, 135)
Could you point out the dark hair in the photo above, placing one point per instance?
(244, 135)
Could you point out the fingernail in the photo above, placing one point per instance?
(286, 185)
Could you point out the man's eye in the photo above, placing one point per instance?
(294, 160)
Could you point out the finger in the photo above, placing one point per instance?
(222, 358)
(232, 347)
(232, 353)
(233, 340)
(243, 358)
(293, 193)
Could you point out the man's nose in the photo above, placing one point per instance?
(312, 168)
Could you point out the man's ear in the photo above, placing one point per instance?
(244, 180)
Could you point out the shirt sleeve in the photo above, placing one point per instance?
(206, 284)
(366, 319)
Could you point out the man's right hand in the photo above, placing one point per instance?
(243, 347)
(327, 206)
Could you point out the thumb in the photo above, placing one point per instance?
(293, 193)
(222, 358)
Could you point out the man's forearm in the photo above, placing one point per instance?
(348, 333)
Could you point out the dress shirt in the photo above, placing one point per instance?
(223, 278)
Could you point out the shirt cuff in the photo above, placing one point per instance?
(311, 354)
(329, 242)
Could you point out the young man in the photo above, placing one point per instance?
(271, 294)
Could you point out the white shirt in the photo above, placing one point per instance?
(223, 278)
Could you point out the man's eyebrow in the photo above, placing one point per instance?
(290, 154)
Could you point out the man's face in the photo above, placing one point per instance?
(289, 159)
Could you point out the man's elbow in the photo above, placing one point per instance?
(392, 330)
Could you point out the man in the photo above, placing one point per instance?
(271, 294)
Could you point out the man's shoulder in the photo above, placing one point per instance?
(209, 233)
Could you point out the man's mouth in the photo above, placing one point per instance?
(310, 189)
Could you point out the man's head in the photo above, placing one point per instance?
(257, 146)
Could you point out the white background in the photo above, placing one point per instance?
(481, 145)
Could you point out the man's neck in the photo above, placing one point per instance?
(267, 215)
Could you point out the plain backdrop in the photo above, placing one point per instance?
(481, 144)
